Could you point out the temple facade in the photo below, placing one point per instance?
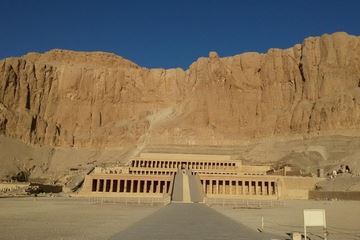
(211, 176)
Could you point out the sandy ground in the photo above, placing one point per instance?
(60, 218)
(64, 218)
(183, 221)
(343, 218)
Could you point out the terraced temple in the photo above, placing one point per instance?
(195, 178)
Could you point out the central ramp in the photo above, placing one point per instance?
(180, 221)
(187, 187)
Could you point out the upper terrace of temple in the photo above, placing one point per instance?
(188, 161)
(202, 164)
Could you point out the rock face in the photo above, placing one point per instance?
(66, 98)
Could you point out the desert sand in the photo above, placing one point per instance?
(64, 218)
(342, 217)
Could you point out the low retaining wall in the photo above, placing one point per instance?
(242, 203)
(131, 201)
(324, 195)
(7, 187)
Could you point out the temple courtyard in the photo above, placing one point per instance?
(79, 218)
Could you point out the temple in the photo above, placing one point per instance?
(196, 178)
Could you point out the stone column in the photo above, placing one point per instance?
(111, 185)
(125, 185)
(98, 186)
(105, 185)
(152, 187)
(204, 186)
(145, 186)
(236, 187)
(132, 186)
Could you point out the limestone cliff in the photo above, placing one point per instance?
(66, 98)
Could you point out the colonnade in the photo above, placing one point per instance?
(239, 187)
(130, 186)
(184, 164)
(152, 172)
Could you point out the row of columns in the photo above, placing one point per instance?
(235, 187)
(130, 186)
(147, 172)
(185, 164)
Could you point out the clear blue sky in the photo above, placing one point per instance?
(169, 33)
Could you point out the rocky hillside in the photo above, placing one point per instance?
(79, 99)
